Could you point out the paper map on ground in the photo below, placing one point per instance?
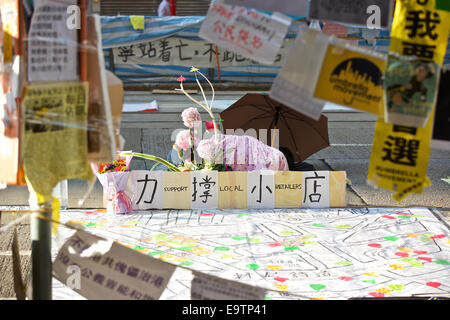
(300, 253)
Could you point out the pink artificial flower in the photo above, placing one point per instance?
(206, 149)
(210, 125)
(183, 139)
(191, 117)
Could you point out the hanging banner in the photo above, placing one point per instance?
(102, 269)
(295, 83)
(419, 29)
(411, 87)
(352, 78)
(368, 13)
(185, 52)
(252, 34)
(399, 159)
(441, 127)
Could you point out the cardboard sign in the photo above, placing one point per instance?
(145, 189)
(352, 78)
(204, 190)
(441, 129)
(260, 189)
(367, 13)
(419, 29)
(297, 8)
(52, 46)
(207, 287)
(410, 91)
(399, 159)
(295, 83)
(252, 34)
(107, 270)
(235, 190)
(177, 191)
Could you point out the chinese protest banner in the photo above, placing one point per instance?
(237, 190)
(252, 34)
(352, 78)
(399, 158)
(185, 52)
(419, 29)
(207, 287)
(52, 46)
(107, 270)
(376, 13)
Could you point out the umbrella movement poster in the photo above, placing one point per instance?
(352, 79)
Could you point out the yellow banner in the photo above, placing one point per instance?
(399, 158)
(419, 29)
(352, 79)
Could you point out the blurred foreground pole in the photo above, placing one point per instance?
(41, 253)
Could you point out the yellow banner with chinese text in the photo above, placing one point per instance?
(399, 159)
(419, 29)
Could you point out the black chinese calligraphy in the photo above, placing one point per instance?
(315, 196)
(401, 151)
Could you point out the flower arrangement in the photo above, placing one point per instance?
(194, 153)
(113, 176)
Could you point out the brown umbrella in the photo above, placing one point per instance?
(300, 134)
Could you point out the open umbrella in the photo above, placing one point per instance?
(301, 135)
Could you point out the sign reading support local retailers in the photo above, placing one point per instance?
(235, 190)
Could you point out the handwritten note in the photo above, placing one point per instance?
(252, 34)
(206, 287)
(107, 270)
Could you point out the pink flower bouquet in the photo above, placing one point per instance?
(113, 177)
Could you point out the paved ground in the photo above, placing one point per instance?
(351, 135)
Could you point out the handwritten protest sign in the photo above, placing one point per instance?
(146, 189)
(252, 34)
(419, 29)
(204, 190)
(235, 190)
(260, 189)
(186, 52)
(352, 78)
(399, 158)
(207, 287)
(52, 46)
(371, 13)
(107, 270)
